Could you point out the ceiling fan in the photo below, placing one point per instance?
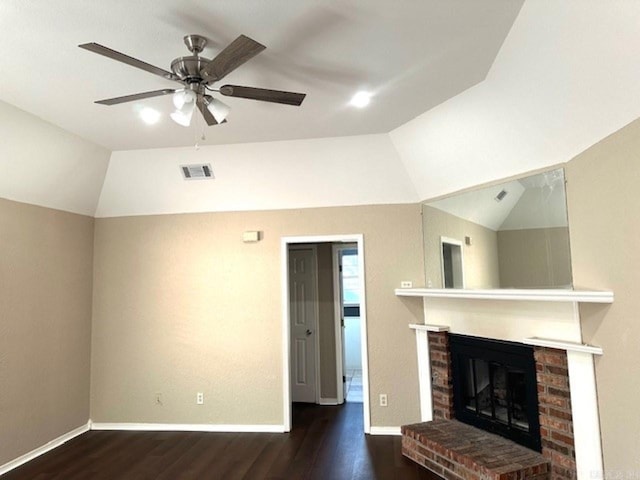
(198, 75)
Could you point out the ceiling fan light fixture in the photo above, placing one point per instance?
(182, 117)
(185, 103)
(197, 74)
(183, 97)
(218, 109)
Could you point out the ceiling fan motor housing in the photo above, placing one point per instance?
(188, 68)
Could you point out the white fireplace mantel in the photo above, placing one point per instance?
(533, 294)
(544, 318)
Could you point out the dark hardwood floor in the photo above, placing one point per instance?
(325, 443)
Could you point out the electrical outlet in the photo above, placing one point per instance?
(200, 398)
(406, 284)
(383, 400)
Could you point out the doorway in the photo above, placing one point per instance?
(452, 263)
(308, 370)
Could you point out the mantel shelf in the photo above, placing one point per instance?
(536, 295)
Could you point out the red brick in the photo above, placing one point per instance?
(548, 447)
(560, 437)
(558, 392)
(555, 380)
(551, 356)
(556, 370)
(555, 424)
(547, 399)
(561, 414)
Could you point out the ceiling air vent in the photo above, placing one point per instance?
(501, 195)
(197, 172)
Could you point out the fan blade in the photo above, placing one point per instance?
(134, 62)
(263, 94)
(136, 96)
(208, 117)
(237, 52)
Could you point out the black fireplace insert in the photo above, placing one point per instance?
(495, 388)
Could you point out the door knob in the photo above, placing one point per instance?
(308, 332)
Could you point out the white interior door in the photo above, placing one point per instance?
(304, 321)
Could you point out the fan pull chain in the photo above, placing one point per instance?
(200, 124)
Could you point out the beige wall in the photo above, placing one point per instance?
(480, 258)
(534, 258)
(603, 197)
(326, 327)
(181, 305)
(45, 325)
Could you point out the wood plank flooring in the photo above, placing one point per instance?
(326, 443)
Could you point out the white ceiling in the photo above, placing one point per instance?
(412, 54)
(567, 75)
(42, 164)
(324, 172)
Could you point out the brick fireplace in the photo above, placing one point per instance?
(547, 320)
(445, 457)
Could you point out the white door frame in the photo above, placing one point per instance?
(358, 239)
(338, 313)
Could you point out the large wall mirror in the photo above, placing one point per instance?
(511, 235)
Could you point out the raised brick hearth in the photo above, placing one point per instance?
(458, 451)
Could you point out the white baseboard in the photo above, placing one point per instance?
(184, 427)
(44, 448)
(385, 431)
(329, 401)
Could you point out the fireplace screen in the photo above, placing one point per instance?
(495, 388)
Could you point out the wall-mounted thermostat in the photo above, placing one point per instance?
(251, 236)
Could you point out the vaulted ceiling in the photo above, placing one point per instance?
(411, 56)
(465, 92)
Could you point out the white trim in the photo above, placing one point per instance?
(584, 410)
(27, 457)
(424, 374)
(385, 431)
(337, 313)
(539, 295)
(188, 427)
(562, 345)
(339, 307)
(284, 285)
(316, 281)
(429, 328)
(286, 335)
(329, 401)
(363, 337)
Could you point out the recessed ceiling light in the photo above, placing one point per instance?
(149, 115)
(361, 99)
